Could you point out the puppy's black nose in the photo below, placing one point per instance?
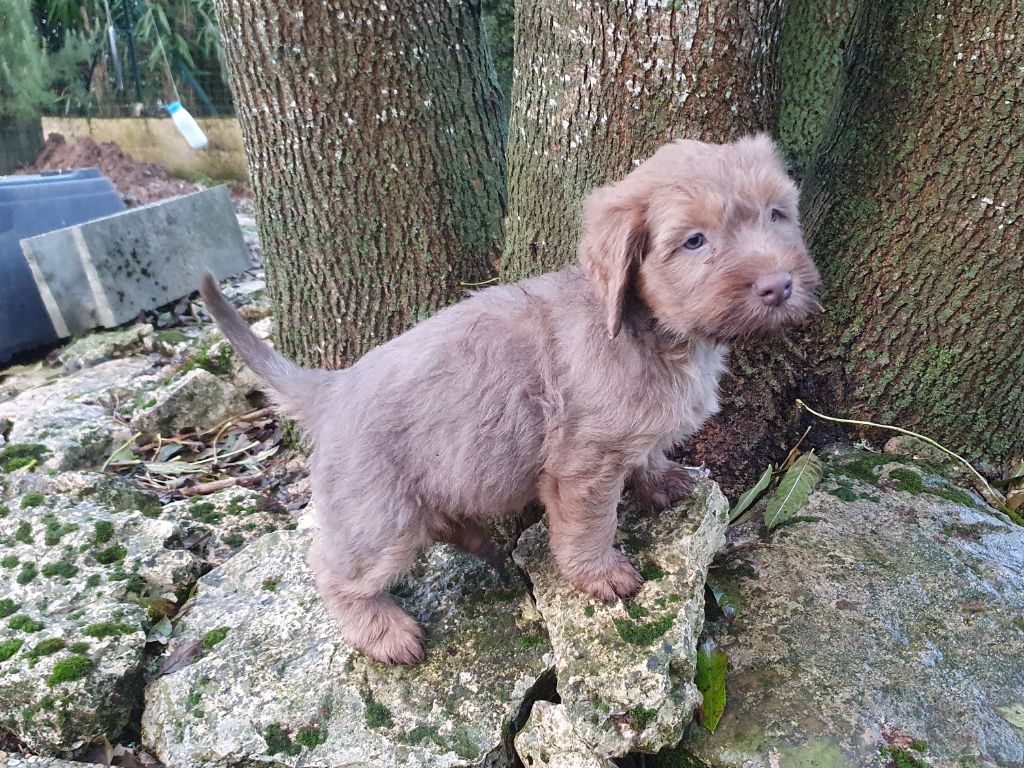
(774, 290)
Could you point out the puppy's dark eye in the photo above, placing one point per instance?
(778, 215)
(695, 242)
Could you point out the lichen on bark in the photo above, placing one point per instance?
(376, 154)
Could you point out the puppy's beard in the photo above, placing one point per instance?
(748, 320)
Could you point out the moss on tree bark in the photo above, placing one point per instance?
(376, 156)
(914, 211)
(815, 35)
(599, 86)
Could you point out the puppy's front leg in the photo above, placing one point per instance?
(582, 519)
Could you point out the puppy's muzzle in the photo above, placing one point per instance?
(774, 290)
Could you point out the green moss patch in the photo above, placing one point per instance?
(234, 540)
(62, 568)
(642, 717)
(907, 480)
(103, 532)
(311, 736)
(902, 758)
(8, 607)
(204, 512)
(214, 637)
(864, 466)
(27, 574)
(18, 455)
(79, 647)
(652, 572)
(279, 742)
(32, 499)
(93, 581)
(377, 715)
(270, 585)
(636, 631)
(9, 647)
(104, 629)
(529, 641)
(218, 363)
(55, 531)
(23, 533)
(46, 648)
(23, 623)
(955, 495)
(110, 555)
(70, 669)
(9, 561)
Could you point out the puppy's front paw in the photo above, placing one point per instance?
(401, 644)
(657, 492)
(620, 579)
(381, 630)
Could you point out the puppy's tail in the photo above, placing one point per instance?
(293, 389)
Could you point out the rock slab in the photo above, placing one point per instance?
(84, 571)
(626, 670)
(270, 681)
(886, 627)
(106, 271)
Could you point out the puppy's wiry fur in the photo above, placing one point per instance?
(564, 388)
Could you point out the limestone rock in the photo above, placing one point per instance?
(106, 345)
(219, 524)
(198, 400)
(548, 740)
(8, 760)
(625, 670)
(274, 683)
(887, 627)
(72, 415)
(82, 583)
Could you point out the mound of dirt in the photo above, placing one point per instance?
(137, 182)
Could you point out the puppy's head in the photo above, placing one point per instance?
(707, 236)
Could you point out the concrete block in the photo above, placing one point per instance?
(104, 272)
(31, 205)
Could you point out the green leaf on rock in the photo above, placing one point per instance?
(794, 490)
(712, 664)
(750, 496)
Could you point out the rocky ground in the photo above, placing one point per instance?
(156, 607)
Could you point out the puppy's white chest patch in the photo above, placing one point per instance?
(698, 386)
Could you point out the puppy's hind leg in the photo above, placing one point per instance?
(354, 586)
(658, 483)
(470, 537)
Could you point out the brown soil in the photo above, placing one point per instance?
(137, 182)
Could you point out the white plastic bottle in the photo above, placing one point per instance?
(187, 125)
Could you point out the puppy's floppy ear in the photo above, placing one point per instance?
(613, 243)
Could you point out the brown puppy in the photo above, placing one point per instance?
(562, 388)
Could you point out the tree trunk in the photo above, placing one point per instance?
(915, 211)
(376, 158)
(759, 421)
(815, 35)
(599, 86)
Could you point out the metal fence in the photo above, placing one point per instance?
(124, 58)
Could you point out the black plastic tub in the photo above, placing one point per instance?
(33, 205)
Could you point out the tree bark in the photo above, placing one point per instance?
(915, 208)
(376, 155)
(815, 35)
(597, 87)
